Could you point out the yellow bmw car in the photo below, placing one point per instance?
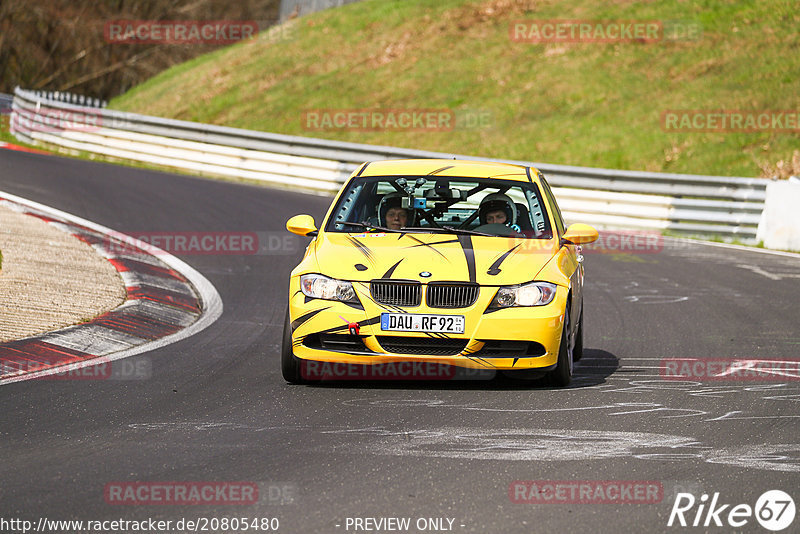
(461, 264)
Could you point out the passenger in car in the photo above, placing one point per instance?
(396, 218)
(394, 215)
(496, 217)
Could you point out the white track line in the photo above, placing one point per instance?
(734, 247)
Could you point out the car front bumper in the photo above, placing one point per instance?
(517, 338)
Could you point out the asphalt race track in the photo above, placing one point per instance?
(215, 407)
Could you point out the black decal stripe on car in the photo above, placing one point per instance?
(370, 321)
(469, 255)
(480, 361)
(528, 173)
(434, 243)
(390, 307)
(388, 274)
(488, 364)
(476, 359)
(424, 244)
(361, 246)
(489, 309)
(495, 268)
(303, 318)
(345, 327)
(515, 362)
(437, 171)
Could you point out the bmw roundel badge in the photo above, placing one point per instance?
(425, 274)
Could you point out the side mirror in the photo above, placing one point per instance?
(302, 225)
(580, 234)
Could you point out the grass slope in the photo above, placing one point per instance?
(594, 104)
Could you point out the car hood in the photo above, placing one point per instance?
(447, 257)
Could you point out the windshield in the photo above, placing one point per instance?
(441, 204)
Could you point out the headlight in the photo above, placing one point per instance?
(321, 287)
(532, 294)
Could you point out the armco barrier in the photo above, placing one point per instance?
(700, 205)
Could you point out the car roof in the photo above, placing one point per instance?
(449, 167)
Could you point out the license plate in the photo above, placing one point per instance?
(419, 322)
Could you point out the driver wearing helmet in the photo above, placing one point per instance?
(392, 214)
(497, 208)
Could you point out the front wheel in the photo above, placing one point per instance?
(561, 376)
(290, 364)
(577, 352)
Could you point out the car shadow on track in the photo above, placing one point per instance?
(592, 370)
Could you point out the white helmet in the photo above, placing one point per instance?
(498, 201)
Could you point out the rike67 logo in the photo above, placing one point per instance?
(774, 510)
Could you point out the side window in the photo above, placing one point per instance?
(552, 201)
(537, 214)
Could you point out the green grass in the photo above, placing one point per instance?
(594, 104)
(7, 137)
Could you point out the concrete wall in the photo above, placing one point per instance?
(780, 222)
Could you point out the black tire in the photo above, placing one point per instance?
(290, 364)
(561, 376)
(577, 351)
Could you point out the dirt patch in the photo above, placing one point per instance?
(474, 20)
(50, 279)
(783, 168)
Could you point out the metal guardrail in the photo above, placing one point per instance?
(298, 8)
(69, 98)
(701, 205)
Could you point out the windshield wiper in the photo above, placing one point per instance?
(449, 230)
(369, 226)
